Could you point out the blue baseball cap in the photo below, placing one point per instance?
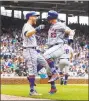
(32, 13)
(52, 15)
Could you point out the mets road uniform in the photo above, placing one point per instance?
(29, 49)
(55, 40)
(64, 62)
(32, 58)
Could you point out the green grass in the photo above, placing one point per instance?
(69, 92)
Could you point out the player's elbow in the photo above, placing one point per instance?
(67, 32)
(30, 33)
(71, 32)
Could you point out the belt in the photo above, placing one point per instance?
(53, 45)
(65, 58)
(29, 47)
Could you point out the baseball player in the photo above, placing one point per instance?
(64, 62)
(42, 63)
(29, 48)
(56, 34)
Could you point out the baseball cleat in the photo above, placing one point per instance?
(65, 82)
(52, 91)
(61, 81)
(35, 84)
(54, 78)
(34, 93)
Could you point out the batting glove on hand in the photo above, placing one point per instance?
(40, 27)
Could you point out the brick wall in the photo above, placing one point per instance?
(40, 81)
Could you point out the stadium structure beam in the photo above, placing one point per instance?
(57, 6)
(40, 14)
(22, 15)
(78, 19)
(38, 8)
(83, 11)
(21, 7)
(66, 18)
(12, 13)
(51, 2)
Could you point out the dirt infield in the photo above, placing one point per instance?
(9, 97)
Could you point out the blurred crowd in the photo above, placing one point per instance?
(11, 57)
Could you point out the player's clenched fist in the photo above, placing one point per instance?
(40, 27)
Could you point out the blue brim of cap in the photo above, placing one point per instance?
(28, 15)
(51, 17)
(35, 14)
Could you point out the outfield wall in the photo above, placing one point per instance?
(23, 80)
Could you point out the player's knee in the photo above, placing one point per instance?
(39, 67)
(66, 76)
(50, 62)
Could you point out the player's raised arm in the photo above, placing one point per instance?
(28, 30)
(30, 33)
(66, 29)
(69, 31)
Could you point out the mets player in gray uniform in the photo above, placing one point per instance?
(64, 62)
(29, 48)
(56, 34)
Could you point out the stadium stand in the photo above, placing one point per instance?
(12, 62)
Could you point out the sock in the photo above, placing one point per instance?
(53, 70)
(53, 86)
(31, 80)
(65, 80)
(51, 65)
(61, 81)
(31, 88)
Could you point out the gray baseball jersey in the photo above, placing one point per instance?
(28, 41)
(64, 62)
(56, 33)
